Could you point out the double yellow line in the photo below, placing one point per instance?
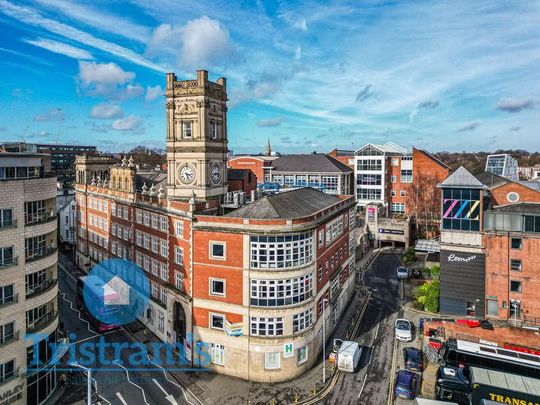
(392, 373)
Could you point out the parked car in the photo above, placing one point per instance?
(413, 359)
(402, 272)
(403, 330)
(407, 384)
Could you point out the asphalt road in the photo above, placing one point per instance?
(370, 384)
(147, 384)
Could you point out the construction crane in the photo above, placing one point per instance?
(59, 125)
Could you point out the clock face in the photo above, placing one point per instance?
(215, 173)
(187, 175)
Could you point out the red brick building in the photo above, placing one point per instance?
(260, 165)
(242, 180)
(250, 282)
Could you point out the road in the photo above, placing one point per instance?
(376, 335)
(148, 384)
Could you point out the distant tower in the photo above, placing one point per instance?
(196, 137)
(268, 151)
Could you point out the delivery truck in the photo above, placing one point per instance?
(475, 386)
(348, 355)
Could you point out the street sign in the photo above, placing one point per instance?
(288, 350)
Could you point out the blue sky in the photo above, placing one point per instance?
(449, 75)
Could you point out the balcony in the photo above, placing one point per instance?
(41, 288)
(42, 322)
(12, 261)
(10, 224)
(40, 253)
(6, 340)
(33, 219)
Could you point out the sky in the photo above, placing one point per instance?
(307, 75)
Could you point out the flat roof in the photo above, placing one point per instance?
(512, 382)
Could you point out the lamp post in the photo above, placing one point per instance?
(88, 382)
(324, 301)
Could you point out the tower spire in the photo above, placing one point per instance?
(268, 148)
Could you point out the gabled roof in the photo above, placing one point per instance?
(388, 147)
(314, 163)
(292, 204)
(433, 157)
(462, 178)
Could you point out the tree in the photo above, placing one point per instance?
(424, 202)
(149, 157)
(427, 295)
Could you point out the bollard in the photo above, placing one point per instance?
(314, 390)
(273, 401)
(296, 397)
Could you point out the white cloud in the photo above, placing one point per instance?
(31, 17)
(131, 123)
(300, 24)
(108, 80)
(39, 134)
(272, 122)
(54, 114)
(61, 48)
(153, 92)
(106, 111)
(200, 43)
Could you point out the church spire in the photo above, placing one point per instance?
(268, 151)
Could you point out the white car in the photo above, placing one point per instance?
(403, 330)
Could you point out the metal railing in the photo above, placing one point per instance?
(45, 286)
(42, 322)
(39, 253)
(9, 224)
(32, 219)
(12, 261)
(531, 320)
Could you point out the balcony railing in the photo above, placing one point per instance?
(531, 320)
(37, 289)
(12, 299)
(12, 261)
(33, 219)
(39, 253)
(7, 339)
(9, 224)
(42, 322)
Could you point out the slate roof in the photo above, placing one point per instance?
(492, 180)
(518, 208)
(292, 204)
(462, 178)
(151, 177)
(313, 163)
(237, 174)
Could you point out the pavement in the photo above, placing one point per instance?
(116, 385)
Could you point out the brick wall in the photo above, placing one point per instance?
(253, 164)
(526, 194)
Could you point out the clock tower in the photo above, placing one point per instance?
(196, 137)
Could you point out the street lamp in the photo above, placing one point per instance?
(324, 301)
(88, 382)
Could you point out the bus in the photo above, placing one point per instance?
(91, 290)
(456, 352)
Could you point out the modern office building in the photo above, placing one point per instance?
(63, 159)
(503, 165)
(28, 277)
(252, 281)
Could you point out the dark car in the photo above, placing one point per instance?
(407, 384)
(413, 358)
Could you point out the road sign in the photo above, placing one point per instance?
(288, 350)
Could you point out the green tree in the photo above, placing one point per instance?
(409, 256)
(427, 295)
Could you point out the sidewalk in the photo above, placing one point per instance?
(212, 388)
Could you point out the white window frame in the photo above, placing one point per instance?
(179, 255)
(273, 362)
(164, 223)
(305, 350)
(211, 245)
(155, 220)
(266, 326)
(138, 216)
(211, 287)
(164, 247)
(187, 129)
(402, 192)
(213, 315)
(179, 280)
(217, 354)
(164, 271)
(179, 228)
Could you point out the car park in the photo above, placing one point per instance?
(403, 329)
(407, 383)
(413, 359)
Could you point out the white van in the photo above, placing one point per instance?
(348, 355)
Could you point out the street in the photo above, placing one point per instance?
(376, 335)
(115, 384)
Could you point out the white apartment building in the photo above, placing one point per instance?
(28, 277)
(503, 165)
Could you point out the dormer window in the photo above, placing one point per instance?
(186, 129)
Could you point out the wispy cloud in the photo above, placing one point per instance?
(471, 126)
(106, 111)
(153, 92)
(61, 48)
(513, 105)
(132, 124)
(54, 114)
(273, 122)
(30, 16)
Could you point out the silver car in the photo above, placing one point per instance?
(403, 330)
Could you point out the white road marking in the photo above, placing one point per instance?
(168, 396)
(172, 382)
(131, 382)
(63, 294)
(121, 398)
(363, 384)
(95, 336)
(376, 332)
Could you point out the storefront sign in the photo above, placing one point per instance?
(392, 231)
(463, 259)
(288, 350)
(371, 214)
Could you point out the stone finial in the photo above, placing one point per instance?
(124, 161)
(144, 189)
(131, 163)
(93, 181)
(152, 190)
(192, 199)
(105, 183)
(161, 192)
